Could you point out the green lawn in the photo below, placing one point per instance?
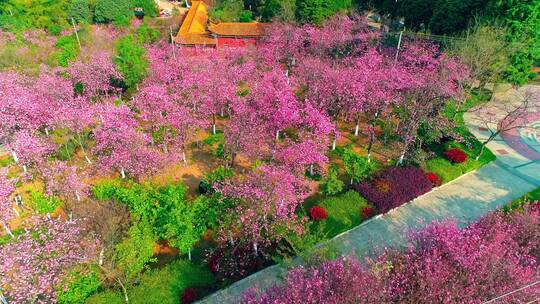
(161, 286)
(470, 145)
(343, 212)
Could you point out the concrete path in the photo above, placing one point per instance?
(464, 200)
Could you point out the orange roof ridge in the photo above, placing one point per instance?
(196, 19)
(252, 29)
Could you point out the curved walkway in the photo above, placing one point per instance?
(464, 200)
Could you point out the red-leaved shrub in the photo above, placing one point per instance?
(434, 179)
(188, 296)
(318, 213)
(456, 155)
(394, 187)
(366, 212)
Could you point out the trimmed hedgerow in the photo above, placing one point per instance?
(394, 187)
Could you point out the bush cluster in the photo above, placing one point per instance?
(394, 187)
(318, 213)
(434, 179)
(456, 155)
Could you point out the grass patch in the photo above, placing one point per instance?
(6, 238)
(6, 161)
(162, 286)
(470, 145)
(448, 171)
(533, 196)
(343, 212)
(42, 204)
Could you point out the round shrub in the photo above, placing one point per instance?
(456, 155)
(318, 213)
(367, 212)
(188, 296)
(434, 179)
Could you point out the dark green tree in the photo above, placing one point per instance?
(131, 60)
(148, 6)
(316, 11)
(522, 18)
(109, 10)
(79, 10)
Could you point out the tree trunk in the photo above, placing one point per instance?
(82, 149)
(25, 169)
(357, 128)
(334, 142)
(15, 158)
(231, 240)
(277, 135)
(8, 231)
(255, 248)
(47, 131)
(370, 145)
(189, 254)
(214, 124)
(126, 298)
(101, 255)
(311, 169)
(123, 173)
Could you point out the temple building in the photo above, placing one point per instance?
(197, 31)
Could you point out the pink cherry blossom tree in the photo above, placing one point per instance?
(64, 181)
(266, 200)
(96, 76)
(29, 149)
(120, 146)
(33, 263)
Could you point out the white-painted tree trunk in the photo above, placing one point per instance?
(47, 131)
(77, 196)
(87, 159)
(25, 169)
(123, 173)
(311, 169)
(214, 129)
(101, 255)
(15, 158)
(369, 157)
(334, 144)
(277, 135)
(184, 157)
(8, 231)
(189, 254)
(255, 248)
(356, 130)
(231, 240)
(401, 158)
(17, 214)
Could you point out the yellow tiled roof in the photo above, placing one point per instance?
(196, 19)
(249, 29)
(193, 30)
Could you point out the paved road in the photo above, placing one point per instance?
(465, 200)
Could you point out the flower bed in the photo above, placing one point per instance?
(394, 187)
